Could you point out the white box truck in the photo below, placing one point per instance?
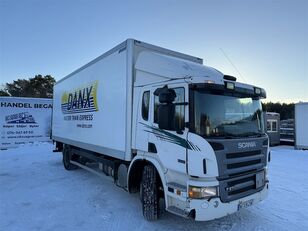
(301, 126)
(164, 125)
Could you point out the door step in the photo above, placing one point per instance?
(93, 169)
(177, 211)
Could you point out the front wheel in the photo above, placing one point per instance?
(149, 193)
(67, 155)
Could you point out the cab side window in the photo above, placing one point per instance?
(145, 105)
(179, 109)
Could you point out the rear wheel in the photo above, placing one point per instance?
(149, 193)
(67, 156)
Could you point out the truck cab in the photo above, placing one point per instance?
(204, 134)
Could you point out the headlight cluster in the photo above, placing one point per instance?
(202, 192)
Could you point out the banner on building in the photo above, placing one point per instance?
(24, 120)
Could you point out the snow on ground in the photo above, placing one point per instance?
(36, 193)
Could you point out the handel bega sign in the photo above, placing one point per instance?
(24, 120)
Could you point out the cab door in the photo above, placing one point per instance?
(170, 146)
(143, 120)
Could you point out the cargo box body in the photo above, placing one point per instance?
(90, 105)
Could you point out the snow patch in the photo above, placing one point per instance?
(36, 193)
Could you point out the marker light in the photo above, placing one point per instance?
(229, 85)
(202, 192)
(257, 90)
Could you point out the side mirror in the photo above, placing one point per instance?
(166, 108)
(166, 116)
(165, 94)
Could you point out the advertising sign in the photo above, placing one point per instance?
(24, 120)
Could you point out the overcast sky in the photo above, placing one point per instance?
(267, 41)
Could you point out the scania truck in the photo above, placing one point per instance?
(162, 124)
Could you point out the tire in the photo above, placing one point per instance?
(140, 192)
(149, 193)
(67, 155)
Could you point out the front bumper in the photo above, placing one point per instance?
(214, 208)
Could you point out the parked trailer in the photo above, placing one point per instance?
(164, 125)
(287, 131)
(301, 126)
(272, 121)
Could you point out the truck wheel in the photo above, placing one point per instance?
(67, 157)
(149, 193)
(140, 192)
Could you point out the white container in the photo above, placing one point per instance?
(301, 125)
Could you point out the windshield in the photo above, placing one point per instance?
(217, 115)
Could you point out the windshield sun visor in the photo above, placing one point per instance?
(226, 89)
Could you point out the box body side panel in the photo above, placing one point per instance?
(90, 106)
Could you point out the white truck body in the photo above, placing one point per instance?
(24, 120)
(106, 85)
(111, 111)
(301, 126)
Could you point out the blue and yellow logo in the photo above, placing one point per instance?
(80, 100)
(20, 118)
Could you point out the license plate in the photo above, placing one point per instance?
(244, 204)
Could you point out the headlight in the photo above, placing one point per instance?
(229, 85)
(257, 91)
(202, 192)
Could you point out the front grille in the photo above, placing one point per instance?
(239, 187)
(242, 154)
(238, 169)
(242, 162)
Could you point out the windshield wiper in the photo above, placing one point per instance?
(227, 135)
(251, 134)
(231, 135)
(243, 135)
(220, 136)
